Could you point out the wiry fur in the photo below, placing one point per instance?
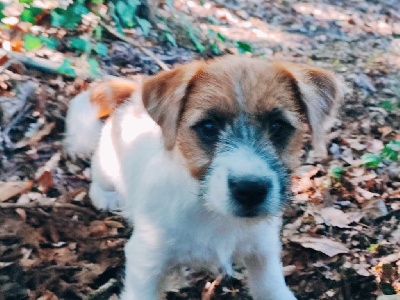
(152, 165)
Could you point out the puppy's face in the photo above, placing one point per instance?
(239, 122)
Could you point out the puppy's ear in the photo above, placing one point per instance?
(164, 95)
(110, 94)
(319, 93)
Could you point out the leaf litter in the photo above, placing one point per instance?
(341, 231)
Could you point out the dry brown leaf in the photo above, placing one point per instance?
(355, 144)
(47, 295)
(114, 224)
(374, 146)
(365, 195)
(385, 130)
(45, 181)
(12, 188)
(320, 244)
(335, 217)
(37, 136)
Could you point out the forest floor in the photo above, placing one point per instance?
(341, 233)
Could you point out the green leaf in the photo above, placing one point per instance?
(29, 14)
(389, 105)
(98, 32)
(126, 13)
(80, 44)
(31, 42)
(49, 42)
(391, 151)
(2, 6)
(79, 8)
(243, 47)
(221, 37)
(69, 17)
(57, 18)
(370, 160)
(199, 46)
(134, 3)
(94, 67)
(100, 49)
(26, 1)
(215, 49)
(373, 247)
(336, 171)
(66, 68)
(144, 24)
(97, 1)
(170, 38)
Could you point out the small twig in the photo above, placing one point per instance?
(135, 44)
(209, 291)
(104, 289)
(36, 205)
(7, 65)
(44, 65)
(26, 90)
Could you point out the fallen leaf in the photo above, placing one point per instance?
(365, 194)
(335, 217)
(45, 181)
(355, 144)
(13, 188)
(37, 136)
(385, 130)
(374, 146)
(321, 244)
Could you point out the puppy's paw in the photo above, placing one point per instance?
(104, 199)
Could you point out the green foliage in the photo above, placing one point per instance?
(221, 37)
(390, 105)
(126, 12)
(2, 6)
(391, 151)
(66, 68)
(97, 1)
(94, 67)
(69, 17)
(370, 160)
(243, 47)
(335, 171)
(30, 13)
(170, 38)
(199, 46)
(80, 44)
(98, 32)
(144, 24)
(31, 42)
(26, 1)
(373, 247)
(100, 49)
(49, 42)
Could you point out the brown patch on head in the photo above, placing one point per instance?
(110, 94)
(224, 89)
(164, 96)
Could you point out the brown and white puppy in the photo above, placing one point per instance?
(199, 159)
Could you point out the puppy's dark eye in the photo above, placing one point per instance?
(276, 127)
(208, 131)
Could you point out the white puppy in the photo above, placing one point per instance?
(199, 159)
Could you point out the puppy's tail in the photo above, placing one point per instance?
(87, 112)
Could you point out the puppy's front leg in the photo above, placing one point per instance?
(144, 268)
(266, 279)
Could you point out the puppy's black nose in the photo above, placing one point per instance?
(249, 192)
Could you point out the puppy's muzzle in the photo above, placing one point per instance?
(249, 192)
